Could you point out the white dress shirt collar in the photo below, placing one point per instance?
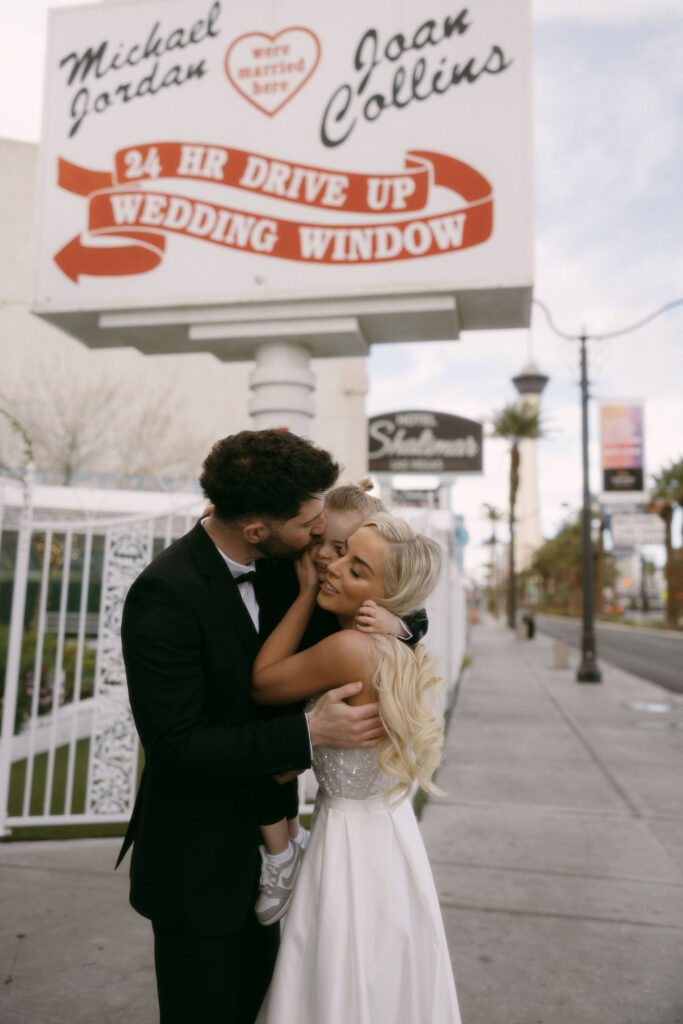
(247, 592)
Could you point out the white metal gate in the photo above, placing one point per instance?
(69, 752)
(68, 748)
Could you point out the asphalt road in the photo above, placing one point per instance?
(645, 652)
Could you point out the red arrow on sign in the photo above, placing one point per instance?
(100, 261)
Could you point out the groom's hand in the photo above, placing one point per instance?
(334, 724)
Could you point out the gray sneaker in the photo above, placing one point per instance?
(277, 885)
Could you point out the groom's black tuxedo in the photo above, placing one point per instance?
(189, 646)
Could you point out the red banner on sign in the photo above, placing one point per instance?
(119, 208)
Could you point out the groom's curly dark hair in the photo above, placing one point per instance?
(268, 473)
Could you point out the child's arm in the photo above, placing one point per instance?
(373, 618)
(286, 637)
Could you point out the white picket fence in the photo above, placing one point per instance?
(69, 751)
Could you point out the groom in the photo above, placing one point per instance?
(192, 624)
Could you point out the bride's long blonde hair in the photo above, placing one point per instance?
(405, 678)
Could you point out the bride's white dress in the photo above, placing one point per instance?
(363, 941)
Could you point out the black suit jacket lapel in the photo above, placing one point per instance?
(276, 588)
(222, 586)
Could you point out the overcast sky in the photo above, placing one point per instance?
(608, 85)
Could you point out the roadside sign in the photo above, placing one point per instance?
(637, 528)
(622, 508)
(622, 448)
(420, 441)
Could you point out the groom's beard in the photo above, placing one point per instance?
(274, 547)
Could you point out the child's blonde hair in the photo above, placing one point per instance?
(354, 498)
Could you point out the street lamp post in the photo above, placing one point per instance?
(588, 672)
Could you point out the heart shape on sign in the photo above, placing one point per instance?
(269, 70)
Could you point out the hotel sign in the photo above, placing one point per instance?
(424, 442)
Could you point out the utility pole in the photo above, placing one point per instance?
(589, 671)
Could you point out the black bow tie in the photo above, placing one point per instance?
(246, 577)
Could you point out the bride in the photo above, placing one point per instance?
(363, 940)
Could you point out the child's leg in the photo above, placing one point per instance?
(296, 832)
(281, 856)
(276, 837)
(271, 811)
(272, 815)
(293, 826)
(290, 797)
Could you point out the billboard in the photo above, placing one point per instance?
(622, 448)
(240, 157)
(418, 441)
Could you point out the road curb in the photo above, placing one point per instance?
(615, 625)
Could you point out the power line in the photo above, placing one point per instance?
(609, 334)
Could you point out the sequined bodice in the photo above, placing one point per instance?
(349, 773)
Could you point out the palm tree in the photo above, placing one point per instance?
(494, 516)
(515, 423)
(668, 493)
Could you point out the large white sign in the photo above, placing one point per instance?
(200, 153)
(637, 528)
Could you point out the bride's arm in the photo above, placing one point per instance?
(280, 675)
(344, 657)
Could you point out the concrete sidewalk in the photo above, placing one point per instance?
(558, 856)
(558, 853)
(71, 949)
